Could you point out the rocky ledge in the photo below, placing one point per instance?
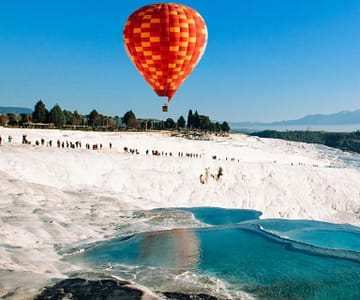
(109, 289)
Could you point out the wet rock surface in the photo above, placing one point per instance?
(79, 288)
(109, 289)
(181, 296)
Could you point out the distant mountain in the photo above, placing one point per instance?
(15, 110)
(340, 118)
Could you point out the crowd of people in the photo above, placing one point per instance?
(9, 139)
(98, 146)
(162, 153)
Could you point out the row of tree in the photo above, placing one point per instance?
(194, 122)
(62, 118)
(59, 118)
(349, 141)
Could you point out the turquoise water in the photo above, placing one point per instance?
(269, 259)
(322, 234)
(222, 216)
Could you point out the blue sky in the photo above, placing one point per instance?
(266, 60)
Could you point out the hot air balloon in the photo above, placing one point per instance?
(165, 42)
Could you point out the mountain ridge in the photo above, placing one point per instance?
(339, 118)
(15, 110)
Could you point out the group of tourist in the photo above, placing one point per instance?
(63, 144)
(162, 153)
(99, 146)
(9, 139)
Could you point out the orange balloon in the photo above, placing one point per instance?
(165, 42)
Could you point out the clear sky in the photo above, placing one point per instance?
(266, 60)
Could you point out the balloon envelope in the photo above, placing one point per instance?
(165, 41)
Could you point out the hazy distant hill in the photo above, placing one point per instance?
(340, 118)
(15, 110)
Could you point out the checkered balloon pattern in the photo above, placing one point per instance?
(165, 42)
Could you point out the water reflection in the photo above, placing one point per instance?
(179, 249)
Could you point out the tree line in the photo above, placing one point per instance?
(57, 117)
(194, 122)
(348, 141)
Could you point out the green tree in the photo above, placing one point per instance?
(190, 120)
(69, 117)
(212, 127)
(24, 119)
(150, 124)
(77, 118)
(161, 125)
(57, 116)
(40, 114)
(143, 125)
(217, 127)
(225, 126)
(196, 120)
(13, 119)
(181, 122)
(204, 122)
(170, 123)
(94, 118)
(129, 118)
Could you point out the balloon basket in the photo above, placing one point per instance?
(165, 108)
